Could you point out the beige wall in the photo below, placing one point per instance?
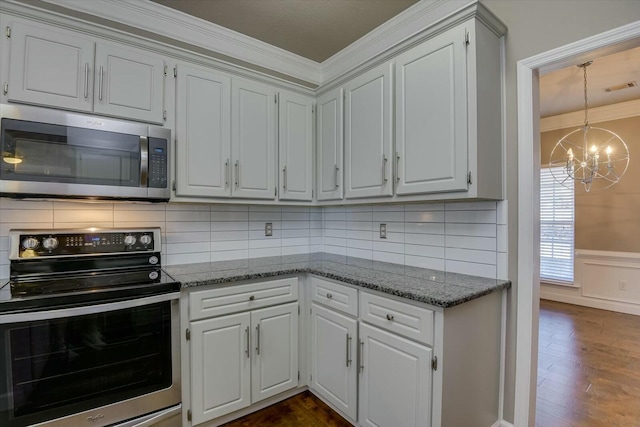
(536, 26)
(607, 220)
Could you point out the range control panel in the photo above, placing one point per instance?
(36, 243)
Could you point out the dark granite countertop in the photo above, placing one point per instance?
(419, 284)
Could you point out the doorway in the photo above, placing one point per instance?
(528, 280)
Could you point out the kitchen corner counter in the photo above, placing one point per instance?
(433, 287)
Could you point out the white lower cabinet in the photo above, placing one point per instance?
(395, 380)
(333, 361)
(242, 358)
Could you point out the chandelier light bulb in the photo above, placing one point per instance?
(609, 150)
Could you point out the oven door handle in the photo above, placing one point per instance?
(63, 312)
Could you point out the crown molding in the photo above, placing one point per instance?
(177, 25)
(161, 20)
(408, 23)
(621, 110)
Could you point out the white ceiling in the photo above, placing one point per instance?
(562, 91)
(314, 29)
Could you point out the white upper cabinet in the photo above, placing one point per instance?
(129, 83)
(295, 131)
(58, 68)
(51, 67)
(253, 139)
(368, 133)
(203, 133)
(431, 115)
(329, 131)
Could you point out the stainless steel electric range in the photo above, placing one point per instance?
(89, 330)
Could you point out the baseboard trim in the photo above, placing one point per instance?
(601, 304)
(502, 423)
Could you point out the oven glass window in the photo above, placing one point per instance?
(64, 366)
(52, 153)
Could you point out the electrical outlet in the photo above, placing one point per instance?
(383, 231)
(268, 229)
(622, 285)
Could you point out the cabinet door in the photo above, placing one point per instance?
(253, 147)
(275, 350)
(295, 137)
(333, 365)
(368, 127)
(395, 382)
(203, 133)
(329, 131)
(50, 66)
(220, 366)
(431, 116)
(129, 83)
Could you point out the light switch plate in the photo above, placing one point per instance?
(268, 229)
(383, 231)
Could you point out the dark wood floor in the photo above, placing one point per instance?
(588, 367)
(302, 410)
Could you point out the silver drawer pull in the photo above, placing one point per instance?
(329, 296)
(251, 298)
(389, 316)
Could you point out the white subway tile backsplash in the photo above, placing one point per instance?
(471, 255)
(471, 217)
(360, 253)
(469, 242)
(230, 226)
(229, 245)
(474, 269)
(478, 230)
(424, 239)
(229, 255)
(388, 257)
(424, 216)
(424, 262)
(424, 228)
(425, 251)
(463, 237)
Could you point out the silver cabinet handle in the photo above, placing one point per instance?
(246, 331)
(329, 296)
(100, 83)
(389, 316)
(237, 173)
(348, 350)
(361, 357)
(397, 167)
(284, 178)
(226, 173)
(337, 169)
(86, 80)
(258, 338)
(384, 169)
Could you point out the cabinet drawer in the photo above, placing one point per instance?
(408, 320)
(334, 295)
(232, 299)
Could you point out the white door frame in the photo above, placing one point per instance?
(528, 280)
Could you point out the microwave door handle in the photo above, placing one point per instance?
(144, 161)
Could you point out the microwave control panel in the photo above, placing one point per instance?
(158, 163)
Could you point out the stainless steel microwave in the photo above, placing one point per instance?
(52, 153)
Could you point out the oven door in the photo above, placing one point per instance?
(91, 365)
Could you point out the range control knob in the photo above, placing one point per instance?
(153, 275)
(129, 240)
(50, 243)
(30, 243)
(153, 260)
(145, 239)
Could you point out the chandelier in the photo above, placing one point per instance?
(593, 156)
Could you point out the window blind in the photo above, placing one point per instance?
(556, 228)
